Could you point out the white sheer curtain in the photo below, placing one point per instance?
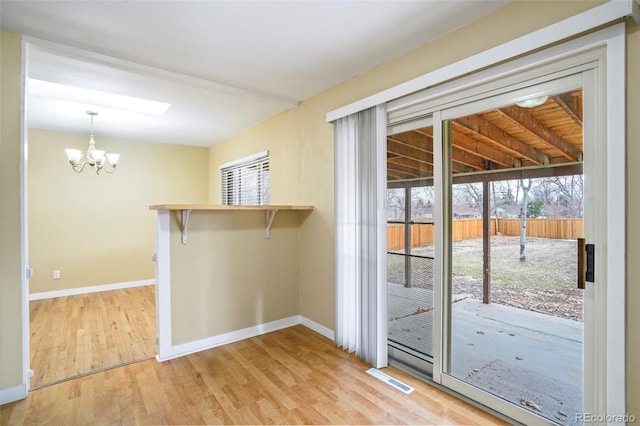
(361, 236)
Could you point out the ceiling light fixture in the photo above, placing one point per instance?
(95, 157)
(533, 102)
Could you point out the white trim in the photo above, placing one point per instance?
(318, 328)
(439, 351)
(89, 289)
(226, 338)
(13, 394)
(24, 223)
(616, 223)
(380, 251)
(247, 159)
(163, 284)
(592, 18)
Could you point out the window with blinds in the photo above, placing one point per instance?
(246, 181)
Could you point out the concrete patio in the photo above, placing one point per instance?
(530, 359)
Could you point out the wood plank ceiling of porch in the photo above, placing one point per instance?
(511, 142)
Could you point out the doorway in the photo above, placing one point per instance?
(509, 328)
(84, 311)
(515, 316)
(530, 357)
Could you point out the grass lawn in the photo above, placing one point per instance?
(545, 282)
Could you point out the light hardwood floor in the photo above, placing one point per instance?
(291, 376)
(76, 335)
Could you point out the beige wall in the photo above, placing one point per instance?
(284, 159)
(11, 368)
(98, 229)
(245, 279)
(248, 280)
(301, 173)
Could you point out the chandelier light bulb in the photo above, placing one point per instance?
(74, 156)
(97, 159)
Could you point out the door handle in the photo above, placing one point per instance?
(586, 263)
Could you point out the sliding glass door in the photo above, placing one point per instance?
(487, 197)
(515, 183)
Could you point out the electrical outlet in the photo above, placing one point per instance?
(56, 274)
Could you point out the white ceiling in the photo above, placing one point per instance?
(223, 66)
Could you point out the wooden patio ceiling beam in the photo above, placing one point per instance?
(497, 175)
(527, 122)
(422, 156)
(426, 131)
(524, 173)
(474, 147)
(465, 143)
(397, 175)
(426, 169)
(414, 139)
(399, 148)
(569, 106)
(471, 160)
(424, 143)
(492, 133)
(409, 172)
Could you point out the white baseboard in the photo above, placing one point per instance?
(223, 339)
(13, 394)
(318, 328)
(90, 289)
(246, 333)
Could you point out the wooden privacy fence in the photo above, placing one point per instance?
(466, 229)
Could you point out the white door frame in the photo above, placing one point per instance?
(608, 395)
(26, 271)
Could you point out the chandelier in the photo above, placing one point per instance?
(96, 158)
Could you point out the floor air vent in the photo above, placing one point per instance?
(390, 380)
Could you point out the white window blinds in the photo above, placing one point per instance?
(246, 181)
(361, 234)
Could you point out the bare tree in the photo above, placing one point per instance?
(495, 207)
(422, 199)
(467, 199)
(507, 194)
(570, 193)
(523, 216)
(544, 190)
(470, 194)
(395, 203)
